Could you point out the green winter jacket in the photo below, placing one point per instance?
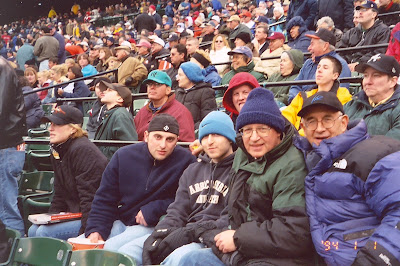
(117, 125)
(266, 205)
(249, 68)
(384, 119)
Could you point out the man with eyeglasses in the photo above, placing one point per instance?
(371, 30)
(353, 186)
(162, 100)
(266, 204)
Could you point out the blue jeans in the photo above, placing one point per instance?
(128, 239)
(11, 164)
(200, 257)
(62, 231)
(175, 257)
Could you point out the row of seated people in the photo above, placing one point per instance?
(241, 202)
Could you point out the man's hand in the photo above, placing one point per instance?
(224, 241)
(195, 147)
(140, 218)
(128, 81)
(95, 237)
(60, 91)
(352, 66)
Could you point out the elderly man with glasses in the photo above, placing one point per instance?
(353, 186)
(266, 204)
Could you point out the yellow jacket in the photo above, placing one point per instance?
(291, 111)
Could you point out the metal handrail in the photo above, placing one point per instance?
(70, 81)
(114, 143)
(357, 79)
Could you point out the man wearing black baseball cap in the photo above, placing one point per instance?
(371, 31)
(322, 44)
(352, 186)
(118, 121)
(137, 187)
(378, 102)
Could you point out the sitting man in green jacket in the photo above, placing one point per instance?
(378, 102)
(268, 223)
(118, 122)
(242, 61)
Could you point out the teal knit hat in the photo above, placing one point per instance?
(219, 123)
(193, 72)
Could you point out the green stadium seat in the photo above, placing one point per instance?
(99, 257)
(12, 236)
(42, 251)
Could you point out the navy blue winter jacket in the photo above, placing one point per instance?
(353, 197)
(134, 181)
(211, 76)
(302, 41)
(307, 9)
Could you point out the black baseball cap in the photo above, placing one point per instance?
(122, 90)
(325, 98)
(164, 123)
(325, 35)
(386, 64)
(64, 115)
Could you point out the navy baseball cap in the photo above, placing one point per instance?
(325, 98)
(368, 4)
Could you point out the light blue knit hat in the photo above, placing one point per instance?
(193, 72)
(219, 123)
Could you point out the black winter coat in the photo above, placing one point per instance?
(12, 108)
(200, 100)
(78, 169)
(341, 14)
(144, 21)
(307, 9)
(378, 33)
(390, 19)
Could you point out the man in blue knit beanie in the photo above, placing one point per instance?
(200, 198)
(266, 205)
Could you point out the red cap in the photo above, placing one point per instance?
(153, 7)
(276, 35)
(245, 14)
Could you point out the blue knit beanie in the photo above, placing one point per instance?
(260, 108)
(219, 123)
(193, 72)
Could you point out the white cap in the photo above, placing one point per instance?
(159, 41)
(126, 43)
(216, 18)
(84, 44)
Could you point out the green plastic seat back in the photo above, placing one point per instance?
(138, 104)
(47, 108)
(41, 160)
(12, 238)
(36, 182)
(99, 257)
(42, 251)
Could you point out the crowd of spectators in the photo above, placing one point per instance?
(254, 180)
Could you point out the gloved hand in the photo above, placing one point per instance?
(174, 240)
(128, 81)
(152, 242)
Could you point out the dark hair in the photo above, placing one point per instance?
(54, 60)
(23, 81)
(337, 66)
(180, 48)
(76, 70)
(85, 56)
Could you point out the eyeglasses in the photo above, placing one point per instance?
(327, 123)
(151, 84)
(248, 132)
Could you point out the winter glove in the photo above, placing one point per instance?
(174, 240)
(152, 242)
(128, 81)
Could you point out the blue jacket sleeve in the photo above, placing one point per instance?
(295, 89)
(155, 209)
(382, 191)
(80, 90)
(312, 13)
